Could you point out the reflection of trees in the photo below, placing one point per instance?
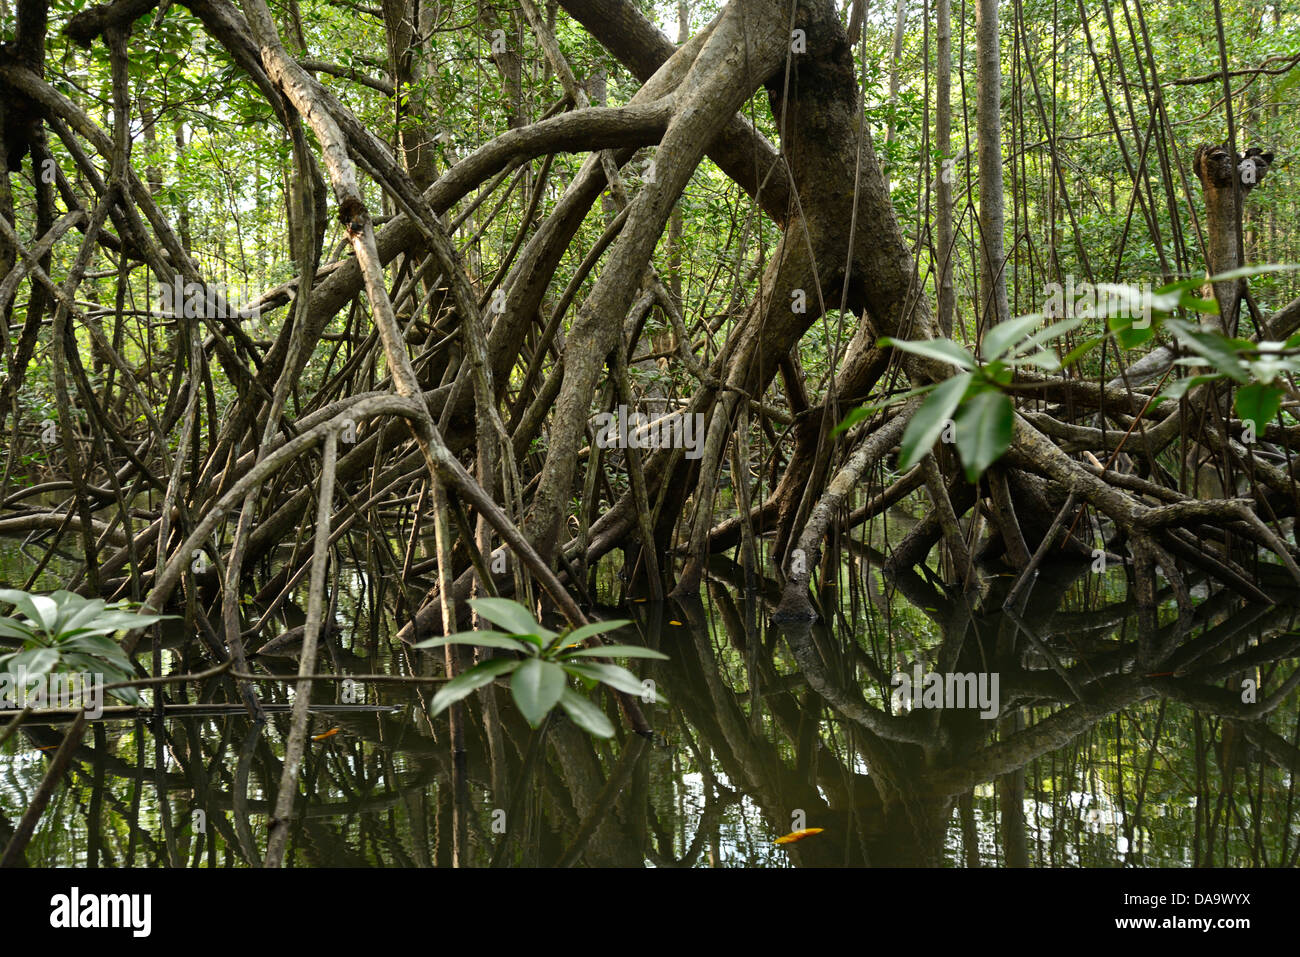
(919, 765)
(1104, 732)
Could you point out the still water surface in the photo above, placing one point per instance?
(1097, 755)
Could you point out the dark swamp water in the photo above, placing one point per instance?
(1103, 747)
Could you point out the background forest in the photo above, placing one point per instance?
(968, 332)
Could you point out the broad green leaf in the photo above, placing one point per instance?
(1042, 359)
(86, 663)
(482, 639)
(37, 661)
(983, 431)
(999, 371)
(80, 617)
(586, 715)
(41, 610)
(1245, 272)
(129, 695)
(1266, 368)
(849, 421)
(1040, 339)
(1185, 293)
(595, 628)
(48, 611)
(66, 605)
(537, 686)
(76, 660)
(1197, 304)
(616, 651)
(616, 677)
(1176, 390)
(897, 398)
(141, 621)
(465, 684)
(1181, 285)
(511, 615)
(1219, 350)
(1258, 403)
(1136, 303)
(100, 647)
(1000, 339)
(945, 350)
(928, 421)
(1127, 334)
(1078, 352)
(115, 619)
(13, 628)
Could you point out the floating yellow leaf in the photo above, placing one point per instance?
(328, 734)
(673, 621)
(794, 836)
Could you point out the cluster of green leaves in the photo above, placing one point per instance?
(540, 676)
(982, 424)
(982, 413)
(66, 632)
(1257, 368)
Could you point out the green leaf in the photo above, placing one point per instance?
(37, 661)
(849, 421)
(129, 695)
(928, 421)
(1055, 331)
(111, 629)
(896, 399)
(1116, 301)
(945, 350)
(1178, 292)
(1078, 352)
(1245, 272)
(983, 431)
(1176, 390)
(616, 651)
(595, 628)
(1000, 373)
(1219, 351)
(13, 628)
(41, 610)
(1258, 403)
(100, 647)
(115, 619)
(1042, 359)
(999, 340)
(84, 615)
(613, 675)
(1126, 334)
(537, 686)
(482, 639)
(1197, 304)
(89, 664)
(586, 715)
(511, 615)
(466, 684)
